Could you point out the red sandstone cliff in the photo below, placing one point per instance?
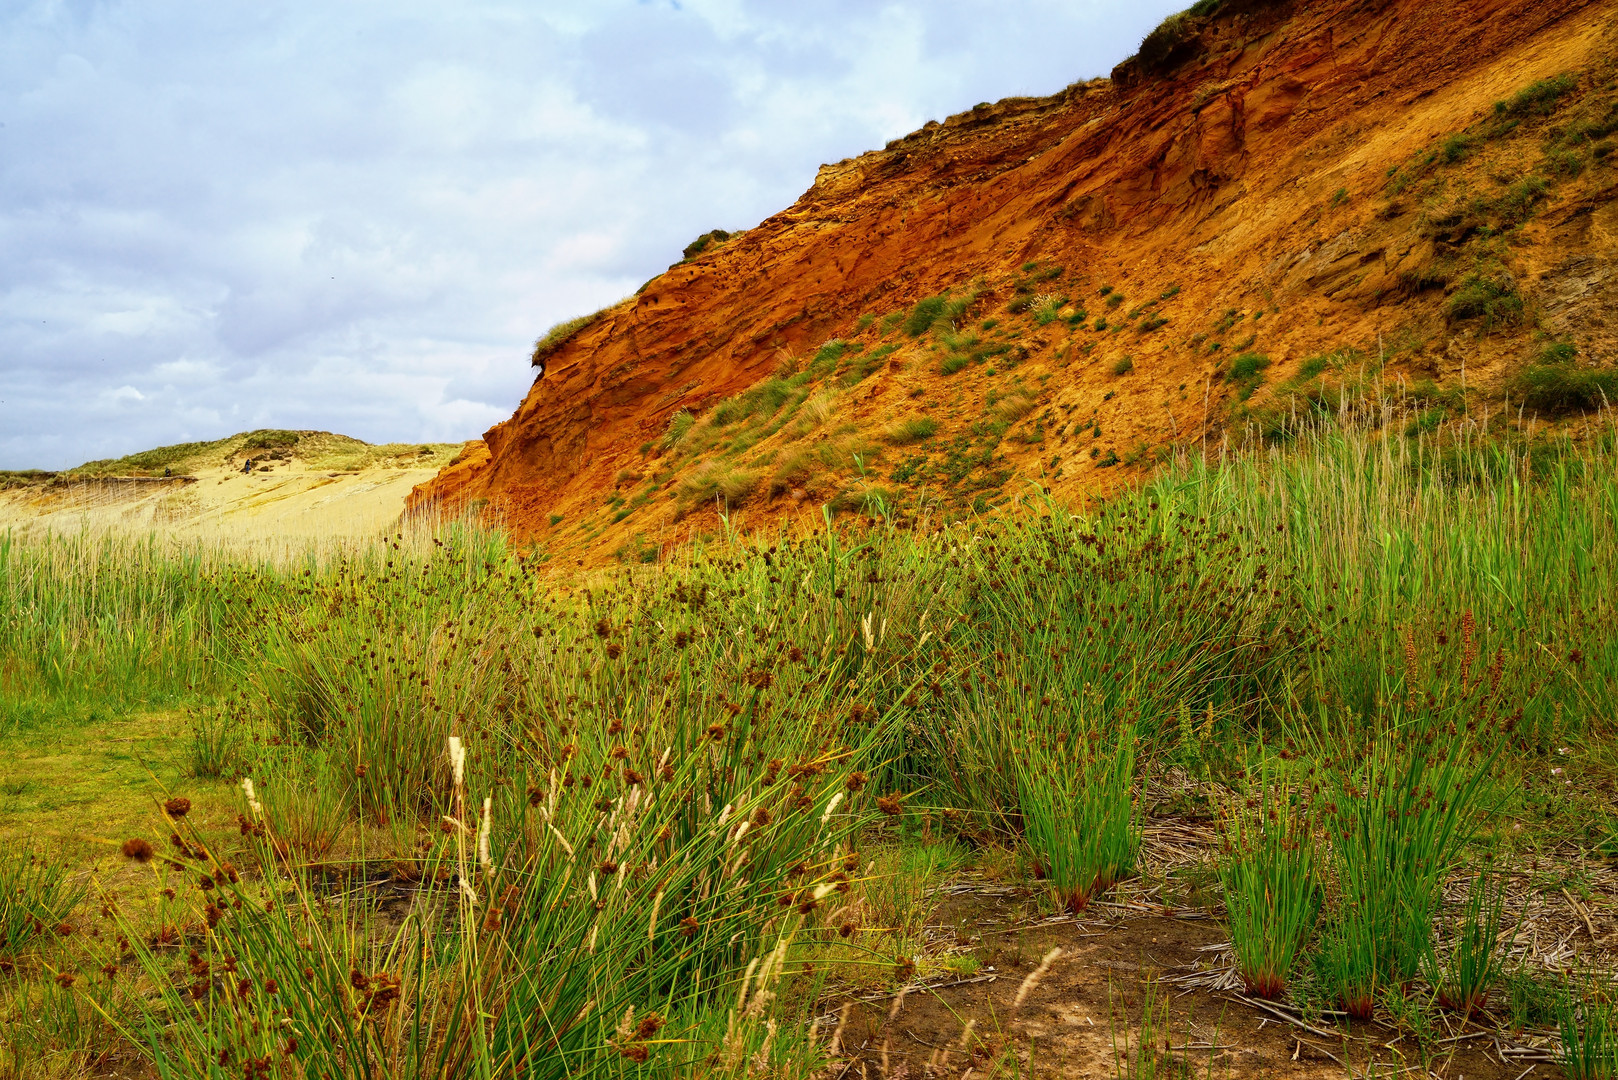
(1247, 201)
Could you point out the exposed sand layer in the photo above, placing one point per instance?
(286, 500)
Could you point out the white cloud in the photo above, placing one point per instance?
(360, 216)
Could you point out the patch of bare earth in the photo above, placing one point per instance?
(1080, 1014)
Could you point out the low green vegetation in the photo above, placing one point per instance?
(1539, 98)
(1556, 383)
(436, 807)
(1247, 373)
(1589, 1030)
(152, 462)
(1543, 136)
(924, 315)
(1492, 300)
(679, 427)
(1169, 44)
(707, 240)
(16, 478)
(552, 340)
(35, 897)
(715, 480)
(914, 430)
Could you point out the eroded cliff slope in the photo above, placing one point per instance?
(1281, 208)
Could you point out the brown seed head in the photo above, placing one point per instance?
(137, 849)
(179, 806)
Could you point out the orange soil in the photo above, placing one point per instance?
(1253, 178)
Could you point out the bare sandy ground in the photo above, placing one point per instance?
(291, 502)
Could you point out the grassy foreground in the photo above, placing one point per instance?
(661, 820)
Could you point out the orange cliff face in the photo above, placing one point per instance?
(1117, 254)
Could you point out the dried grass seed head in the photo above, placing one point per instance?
(138, 849)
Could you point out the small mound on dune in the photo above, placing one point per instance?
(256, 486)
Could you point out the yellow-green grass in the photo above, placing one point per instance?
(79, 787)
(832, 693)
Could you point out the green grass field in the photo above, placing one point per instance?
(432, 807)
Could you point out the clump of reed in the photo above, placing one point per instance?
(1272, 893)
(1401, 799)
(1079, 816)
(1479, 939)
(1588, 1025)
(1130, 614)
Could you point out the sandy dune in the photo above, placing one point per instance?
(290, 501)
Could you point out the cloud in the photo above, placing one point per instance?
(359, 216)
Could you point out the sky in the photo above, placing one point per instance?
(358, 216)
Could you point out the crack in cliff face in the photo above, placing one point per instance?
(1252, 179)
